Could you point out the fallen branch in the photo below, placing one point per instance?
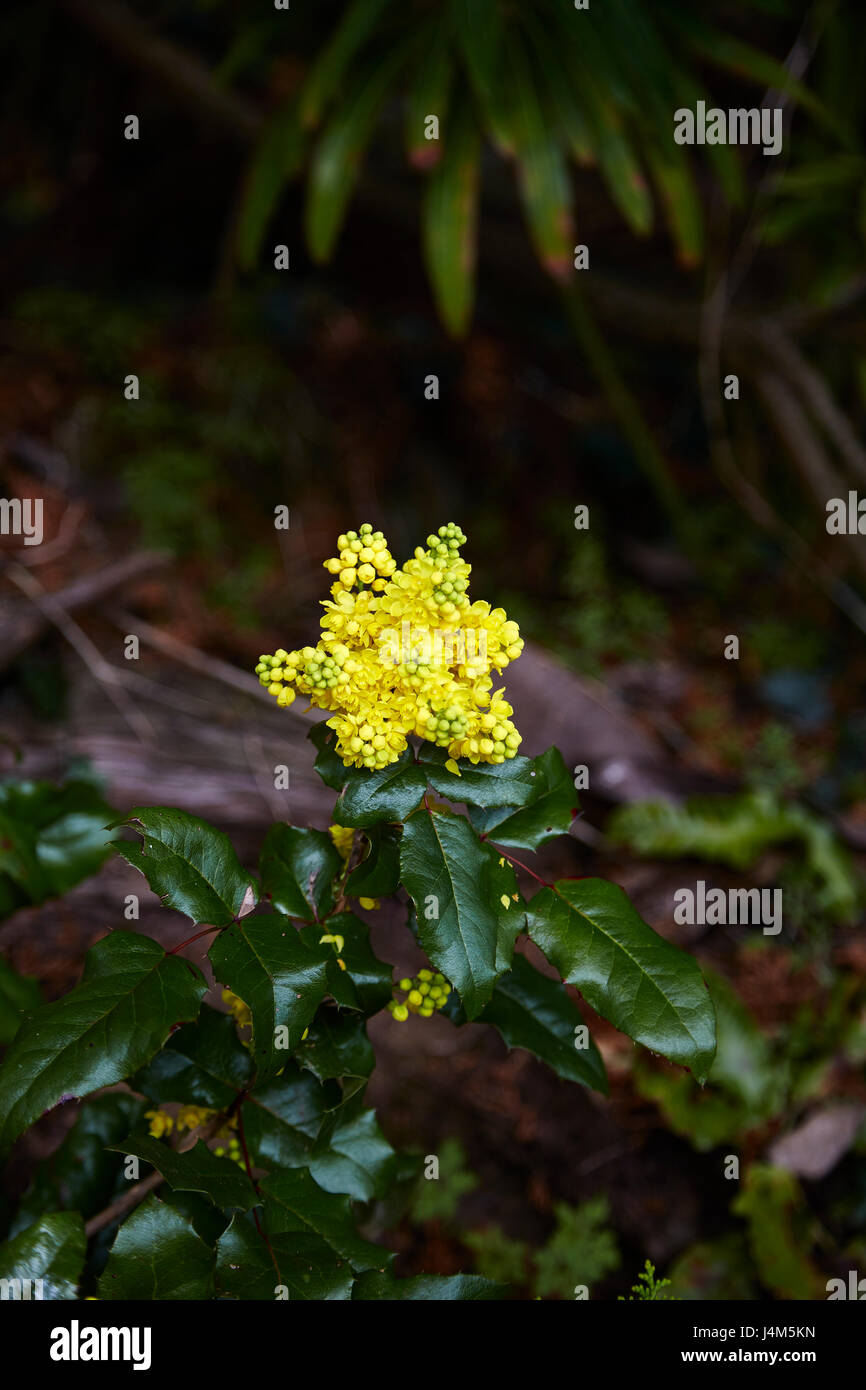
(24, 624)
(54, 612)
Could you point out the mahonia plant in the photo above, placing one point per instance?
(403, 652)
(227, 1152)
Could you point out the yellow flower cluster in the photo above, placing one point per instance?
(403, 652)
(162, 1122)
(425, 993)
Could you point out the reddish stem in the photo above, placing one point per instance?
(190, 939)
(519, 865)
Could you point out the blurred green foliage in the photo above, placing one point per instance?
(438, 1199)
(50, 839)
(544, 84)
(736, 831)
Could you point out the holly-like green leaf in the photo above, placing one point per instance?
(157, 1255)
(450, 219)
(536, 1013)
(297, 868)
(204, 1063)
(547, 815)
(265, 961)
(196, 1170)
(49, 1255)
(81, 1174)
(366, 981)
(132, 994)
(352, 1156)
(646, 987)
(283, 1118)
(447, 873)
(295, 1202)
(337, 1046)
(189, 864)
(207, 1221)
(511, 783)
(437, 1288)
(18, 993)
(378, 874)
(329, 765)
(298, 1265)
(389, 794)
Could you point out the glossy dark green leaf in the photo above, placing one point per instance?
(18, 994)
(196, 1170)
(298, 866)
(131, 995)
(293, 1201)
(336, 1046)
(207, 1221)
(283, 1118)
(265, 962)
(366, 981)
(157, 1255)
(548, 814)
(389, 794)
(483, 784)
(352, 1156)
(329, 765)
(649, 989)
(438, 1288)
(447, 873)
(378, 873)
(534, 1012)
(508, 903)
(49, 1254)
(81, 1174)
(189, 864)
(298, 1265)
(204, 1063)
(449, 219)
